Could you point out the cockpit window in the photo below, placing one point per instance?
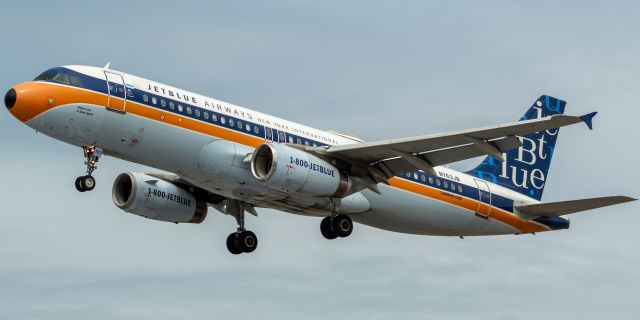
(76, 80)
(62, 78)
(61, 75)
(46, 76)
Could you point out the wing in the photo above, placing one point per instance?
(390, 157)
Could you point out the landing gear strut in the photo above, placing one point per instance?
(88, 182)
(242, 240)
(336, 225)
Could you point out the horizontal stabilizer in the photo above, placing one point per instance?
(588, 119)
(554, 209)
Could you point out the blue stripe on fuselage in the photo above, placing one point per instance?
(136, 95)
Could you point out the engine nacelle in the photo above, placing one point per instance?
(157, 199)
(291, 170)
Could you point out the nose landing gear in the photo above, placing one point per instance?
(88, 182)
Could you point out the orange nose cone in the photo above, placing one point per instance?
(25, 101)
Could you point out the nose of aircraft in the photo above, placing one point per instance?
(10, 98)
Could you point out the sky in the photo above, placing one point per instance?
(377, 69)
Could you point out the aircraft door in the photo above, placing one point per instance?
(484, 199)
(117, 99)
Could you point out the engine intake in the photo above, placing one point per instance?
(291, 170)
(157, 199)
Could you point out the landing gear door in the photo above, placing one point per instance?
(484, 199)
(117, 99)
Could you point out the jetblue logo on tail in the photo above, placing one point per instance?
(525, 169)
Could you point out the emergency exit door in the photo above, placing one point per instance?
(484, 199)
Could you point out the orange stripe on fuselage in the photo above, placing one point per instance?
(469, 204)
(66, 95)
(191, 124)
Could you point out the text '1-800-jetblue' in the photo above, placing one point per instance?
(236, 160)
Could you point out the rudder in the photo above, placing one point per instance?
(525, 169)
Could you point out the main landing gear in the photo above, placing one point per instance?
(241, 241)
(88, 182)
(336, 225)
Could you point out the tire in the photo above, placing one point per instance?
(342, 225)
(327, 230)
(87, 183)
(79, 185)
(232, 244)
(247, 241)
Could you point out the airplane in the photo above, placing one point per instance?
(215, 154)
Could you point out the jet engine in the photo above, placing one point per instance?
(291, 170)
(157, 199)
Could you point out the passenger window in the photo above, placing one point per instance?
(248, 127)
(163, 103)
(154, 100)
(223, 120)
(423, 178)
(197, 112)
(145, 98)
(290, 139)
(430, 180)
(453, 187)
(206, 115)
(306, 142)
(256, 129)
(231, 123)
(188, 110)
(460, 188)
(298, 141)
(438, 182)
(214, 117)
(180, 108)
(415, 175)
(239, 124)
(445, 184)
(172, 105)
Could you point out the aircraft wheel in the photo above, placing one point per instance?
(247, 241)
(342, 225)
(87, 183)
(232, 244)
(79, 186)
(326, 229)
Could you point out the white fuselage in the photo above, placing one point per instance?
(204, 141)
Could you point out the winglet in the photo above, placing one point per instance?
(588, 119)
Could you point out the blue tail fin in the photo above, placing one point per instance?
(525, 169)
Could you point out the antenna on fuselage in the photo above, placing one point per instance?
(106, 66)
